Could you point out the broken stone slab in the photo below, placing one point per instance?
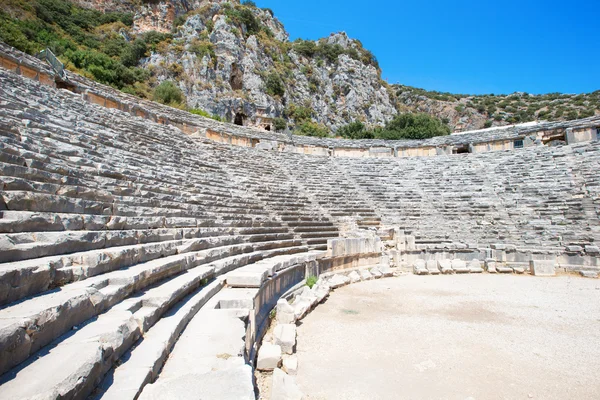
(589, 274)
(338, 280)
(269, 357)
(385, 269)
(321, 291)
(285, 336)
(354, 277)
(542, 267)
(290, 364)
(519, 270)
(285, 312)
(376, 273)
(365, 275)
(284, 387)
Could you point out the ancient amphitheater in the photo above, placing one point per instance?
(143, 248)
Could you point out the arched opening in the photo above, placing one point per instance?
(239, 119)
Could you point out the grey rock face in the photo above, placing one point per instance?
(230, 81)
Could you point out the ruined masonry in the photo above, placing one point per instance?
(142, 249)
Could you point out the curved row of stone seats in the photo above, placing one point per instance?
(329, 186)
(538, 197)
(212, 348)
(108, 224)
(266, 176)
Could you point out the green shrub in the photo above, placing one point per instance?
(202, 48)
(243, 16)
(168, 93)
(206, 114)
(307, 48)
(412, 126)
(355, 130)
(311, 281)
(280, 124)
(310, 128)
(298, 113)
(274, 85)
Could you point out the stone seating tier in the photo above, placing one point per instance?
(116, 230)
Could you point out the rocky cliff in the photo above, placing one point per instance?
(468, 112)
(234, 61)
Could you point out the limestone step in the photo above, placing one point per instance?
(121, 326)
(29, 325)
(211, 356)
(253, 275)
(142, 364)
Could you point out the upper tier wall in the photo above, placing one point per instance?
(474, 142)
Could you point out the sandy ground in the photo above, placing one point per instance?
(454, 337)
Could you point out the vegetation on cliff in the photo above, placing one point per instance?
(403, 126)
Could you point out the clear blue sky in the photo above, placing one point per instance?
(464, 46)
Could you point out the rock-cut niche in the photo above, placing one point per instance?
(237, 77)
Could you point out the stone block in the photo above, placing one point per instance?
(459, 266)
(338, 280)
(284, 335)
(365, 275)
(354, 277)
(589, 274)
(542, 267)
(432, 267)
(290, 364)
(475, 267)
(445, 266)
(490, 265)
(284, 387)
(592, 250)
(269, 357)
(285, 312)
(419, 268)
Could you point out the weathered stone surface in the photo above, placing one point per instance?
(290, 364)
(354, 277)
(432, 267)
(460, 266)
(419, 268)
(285, 336)
(285, 312)
(589, 274)
(542, 267)
(475, 267)
(445, 266)
(227, 384)
(269, 357)
(338, 280)
(284, 387)
(365, 275)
